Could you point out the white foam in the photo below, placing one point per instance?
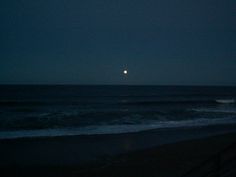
(211, 110)
(114, 129)
(225, 101)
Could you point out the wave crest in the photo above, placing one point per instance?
(114, 129)
(225, 101)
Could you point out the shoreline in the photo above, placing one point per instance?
(219, 127)
(69, 132)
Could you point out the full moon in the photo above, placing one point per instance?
(125, 71)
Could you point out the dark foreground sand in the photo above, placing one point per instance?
(168, 160)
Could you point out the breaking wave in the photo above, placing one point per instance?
(114, 129)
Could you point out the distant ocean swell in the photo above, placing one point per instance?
(123, 102)
(225, 101)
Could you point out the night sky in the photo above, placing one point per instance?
(159, 42)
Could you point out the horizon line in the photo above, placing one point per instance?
(160, 85)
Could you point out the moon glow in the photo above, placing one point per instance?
(125, 72)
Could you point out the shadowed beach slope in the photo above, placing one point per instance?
(168, 160)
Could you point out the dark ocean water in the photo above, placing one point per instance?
(27, 111)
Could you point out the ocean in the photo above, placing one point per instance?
(65, 110)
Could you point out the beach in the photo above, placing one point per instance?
(150, 153)
(105, 131)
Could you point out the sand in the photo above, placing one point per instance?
(63, 156)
